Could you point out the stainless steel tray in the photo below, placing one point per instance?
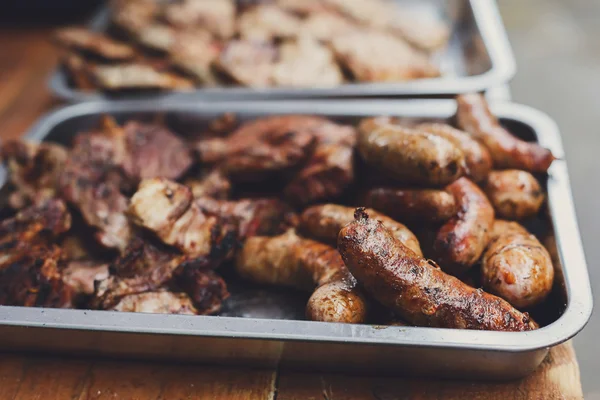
(263, 338)
(478, 57)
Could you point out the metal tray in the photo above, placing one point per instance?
(478, 57)
(263, 338)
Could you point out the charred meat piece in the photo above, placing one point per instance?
(34, 169)
(213, 184)
(167, 209)
(329, 170)
(304, 62)
(248, 63)
(206, 289)
(212, 150)
(288, 260)
(216, 16)
(194, 54)
(159, 302)
(373, 56)
(416, 288)
(80, 275)
(151, 151)
(253, 217)
(96, 44)
(326, 26)
(267, 22)
(264, 147)
(136, 76)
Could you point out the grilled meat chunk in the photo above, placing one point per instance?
(248, 63)
(326, 26)
(34, 169)
(93, 43)
(194, 54)
(80, 275)
(213, 184)
(78, 70)
(136, 76)
(159, 302)
(216, 16)
(266, 22)
(167, 209)
(133, 16)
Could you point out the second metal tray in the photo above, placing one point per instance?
(478, 57)
(264, 327)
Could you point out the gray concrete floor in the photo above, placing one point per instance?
(558, 56)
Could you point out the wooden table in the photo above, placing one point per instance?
(26, 59)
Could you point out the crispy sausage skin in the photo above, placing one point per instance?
(461, 241)
(478, 160)
(516, 266)
(417, 205)
(324, 223)
(474, 116)
(514, 194)
(410, 156)
(417, 290)
(290, 260)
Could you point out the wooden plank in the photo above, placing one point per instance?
(557, 378)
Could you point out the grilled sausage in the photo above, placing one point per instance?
(324, 223)
(428, 205)
(516, 266)
(461, 241)
(474, 116)
(415, 288)
(289, 260)
(478, 160)
(514, 194)
(410, 156)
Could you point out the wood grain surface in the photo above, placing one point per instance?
(26, 59)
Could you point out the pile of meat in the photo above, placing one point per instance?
(293, 43)
(135, 218)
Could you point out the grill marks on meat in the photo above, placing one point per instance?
(29, 265)
(168, 210)
(417, 290)
(34, 169)
(330, 168)
(96, 44)
(289, 260)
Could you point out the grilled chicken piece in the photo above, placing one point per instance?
(78, 70)
(304, 62)
(136, 76)
(147, 268)
(267, 22)
(80, 275)
(326, 26)
(267, 146)
(29, 266)
(302, 7)
(374, 56)
(217, 16)
(194, 54)
(159, 302)
(33, 169)
(167, 209)
(133, 16)
(248, 63)
(213, 184)
(93, 43)
(329, 170)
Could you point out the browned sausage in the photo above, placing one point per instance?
(514, 194)
(428, 205)
(324, 223)
(416, 289)
(410, 156)
(477, 157)
(516, 266)
(474, 116)
(461, 241)
(290, 260)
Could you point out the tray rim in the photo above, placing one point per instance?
(574, 318)
(487, 18)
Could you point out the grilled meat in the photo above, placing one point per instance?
(216, 16)
(266, 22)
(194, 54)
(96, 44)
(168, 210)
(302, 7)
(326, 26)
(34, 169)
(213, 184)
(80, 275)
(248, 63)
(136, 76)
(159, 302)
(78, 70)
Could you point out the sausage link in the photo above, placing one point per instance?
(516, 266)
(418, 205)
(289, 260)
(478, 160)
(410, 156)
(474, 116)
(514, 194)
(417, 289)
(461, 241)
(324, 223)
